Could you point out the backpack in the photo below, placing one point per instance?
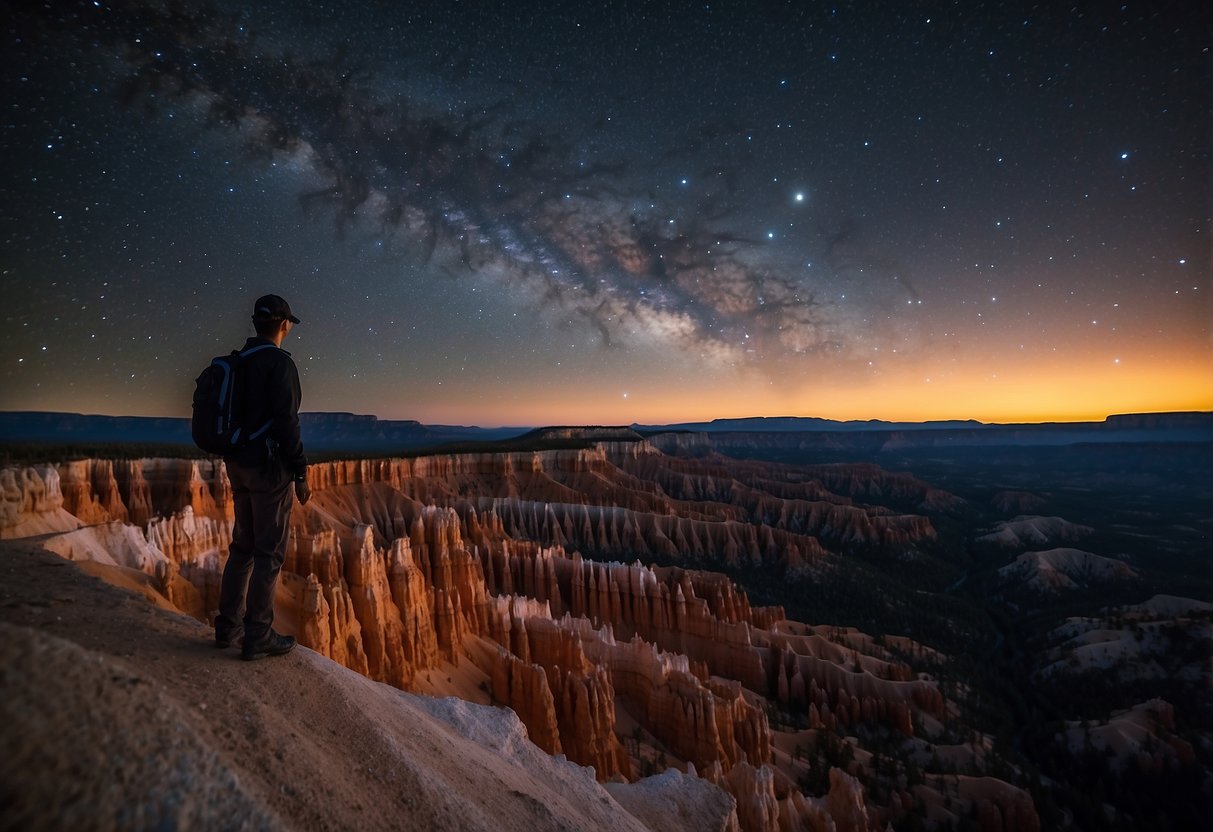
(217, 425)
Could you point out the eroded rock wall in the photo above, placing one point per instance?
(536, 572)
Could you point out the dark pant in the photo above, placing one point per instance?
(263, 498)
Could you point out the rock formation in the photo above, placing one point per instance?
(555, 583)
(31, 503)
(1025, 531)
(1060, 569)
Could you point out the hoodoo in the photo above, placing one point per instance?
(557, 584)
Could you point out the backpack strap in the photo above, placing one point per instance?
(257, 348)
(259, 431)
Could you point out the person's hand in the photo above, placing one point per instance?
(302, 492)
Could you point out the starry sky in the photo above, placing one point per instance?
(598, 213)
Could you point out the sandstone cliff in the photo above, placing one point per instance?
(520, 579)
(129, 720)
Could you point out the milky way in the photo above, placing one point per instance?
(504, 196)
(796, 194)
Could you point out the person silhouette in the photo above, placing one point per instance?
(263, 472)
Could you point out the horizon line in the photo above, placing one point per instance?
(672, 423)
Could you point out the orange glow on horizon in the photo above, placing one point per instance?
(1024, 394)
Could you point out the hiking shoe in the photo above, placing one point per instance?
(222, 642)
(272, 644)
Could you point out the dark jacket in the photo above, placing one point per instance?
(269, 382)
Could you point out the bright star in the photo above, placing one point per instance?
(800, 197)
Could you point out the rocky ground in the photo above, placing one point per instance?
(117, 714)
(938, 688)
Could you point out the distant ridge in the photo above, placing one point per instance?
(854, 440)
(803, 424)
(800, 424)
(322, 432)
(366, 434)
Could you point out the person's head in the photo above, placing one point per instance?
(272, 318)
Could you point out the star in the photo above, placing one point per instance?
(567, 219)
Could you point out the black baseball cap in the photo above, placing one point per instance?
(273, 308)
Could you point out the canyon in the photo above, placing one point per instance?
(602, 592)
(562, 585)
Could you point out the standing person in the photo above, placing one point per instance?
(263, 474)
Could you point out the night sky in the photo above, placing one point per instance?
(548, 213)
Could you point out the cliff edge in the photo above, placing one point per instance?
(120, 714)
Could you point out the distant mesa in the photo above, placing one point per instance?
(801, 424)
(366, 434)
(1195, 422)
(322, 432)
